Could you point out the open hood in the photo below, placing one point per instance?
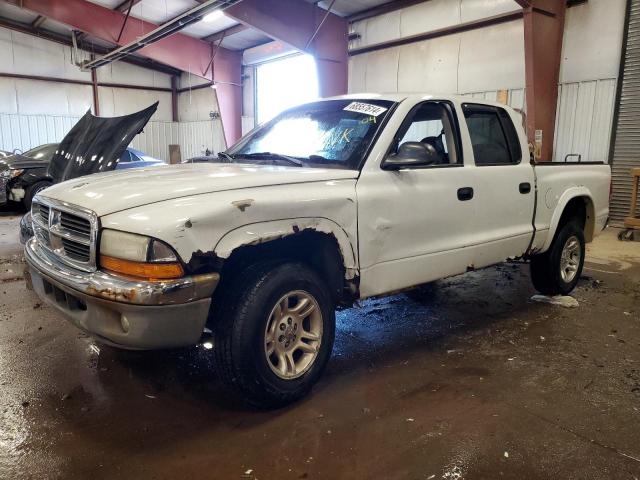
(95, 144)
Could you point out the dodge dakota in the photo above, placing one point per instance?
(330, 202)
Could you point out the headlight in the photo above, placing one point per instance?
(138, 256)
(12, 172)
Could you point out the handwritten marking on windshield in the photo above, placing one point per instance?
(346, 133)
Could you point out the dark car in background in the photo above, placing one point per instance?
(23, 175)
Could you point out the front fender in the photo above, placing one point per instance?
(261, 232)
(565, 198)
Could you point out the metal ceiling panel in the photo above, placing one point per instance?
(161, 11)
(245, 39)
(344, 8)
(107, 3)
(205, 28)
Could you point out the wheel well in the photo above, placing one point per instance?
(318, 250)
(581, 209)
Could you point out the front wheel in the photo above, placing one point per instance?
(274, 333)
(33, 190)
(558, 270)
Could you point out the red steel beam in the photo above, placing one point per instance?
(543, 31)
(180, 51)
(295, 22)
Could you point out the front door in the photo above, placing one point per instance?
(417, 224)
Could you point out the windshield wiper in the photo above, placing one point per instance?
(225, 156)
(271, 156)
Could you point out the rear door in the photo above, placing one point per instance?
(504, 184)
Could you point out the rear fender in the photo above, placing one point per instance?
(565, 198)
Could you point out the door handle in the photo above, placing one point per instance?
(525, 187)
(465, 193)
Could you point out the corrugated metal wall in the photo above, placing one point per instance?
(626, 154)
(193, 137)
(584, 119)
(23, 132)
(27, 131)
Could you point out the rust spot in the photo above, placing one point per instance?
(111, 294)
(242, 205)
(204, 262)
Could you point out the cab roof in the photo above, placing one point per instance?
(415, 98)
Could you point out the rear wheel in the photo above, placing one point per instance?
(558, 270)
(274, 333)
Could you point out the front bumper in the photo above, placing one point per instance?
(121, 312)
(3, 189)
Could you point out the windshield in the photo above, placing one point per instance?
(333, 133)
(43, 152)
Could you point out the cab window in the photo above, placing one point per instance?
(431, 124)
(493, 136)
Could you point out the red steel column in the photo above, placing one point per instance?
(174, 98)
(543, 31)
(94, 88)
(295, 22)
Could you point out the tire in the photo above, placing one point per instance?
(547, 268)
(32, 190)
(248, 314)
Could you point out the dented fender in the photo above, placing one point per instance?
(261, 232)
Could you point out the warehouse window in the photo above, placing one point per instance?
(282, 84)
(493, 136)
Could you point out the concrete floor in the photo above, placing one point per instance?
(476, 381)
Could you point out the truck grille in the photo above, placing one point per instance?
(67, 231)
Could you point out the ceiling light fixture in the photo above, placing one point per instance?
(213, 16)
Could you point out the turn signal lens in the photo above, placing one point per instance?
(144, 270)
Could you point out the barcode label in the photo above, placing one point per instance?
(365, 108)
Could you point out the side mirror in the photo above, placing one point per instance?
(411, 154)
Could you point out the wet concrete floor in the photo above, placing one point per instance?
(472, 381)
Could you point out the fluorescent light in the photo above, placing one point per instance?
(213, 16)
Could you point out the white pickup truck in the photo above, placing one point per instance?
(333, 201)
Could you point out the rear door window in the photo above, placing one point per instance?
(493, 136)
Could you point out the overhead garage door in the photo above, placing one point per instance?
(626, 154)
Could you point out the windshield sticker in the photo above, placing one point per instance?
(365, 108)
